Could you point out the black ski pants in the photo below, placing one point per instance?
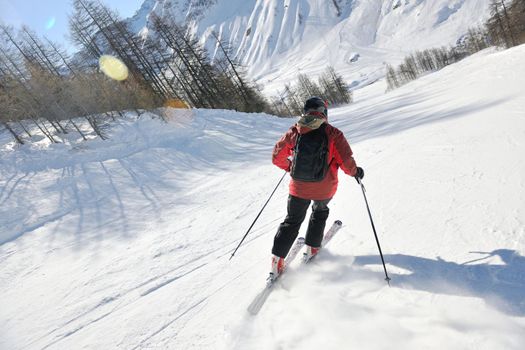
(289, 228)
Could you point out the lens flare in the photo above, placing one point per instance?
(177, 112)
(176, 103)
(113, 67)
(51, 23)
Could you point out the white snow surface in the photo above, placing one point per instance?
(126, 243)
(278, 39)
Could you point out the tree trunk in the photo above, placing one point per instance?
(25, 129)
(17, 138)
(78, 129)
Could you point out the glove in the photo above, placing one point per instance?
(359, 174)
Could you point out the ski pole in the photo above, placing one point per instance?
(387, 279)
(257, 217)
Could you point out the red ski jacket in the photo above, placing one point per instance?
(339, 156)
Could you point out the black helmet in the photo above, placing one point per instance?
(316, 104)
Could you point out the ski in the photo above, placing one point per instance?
(259, 300)
(327, 238)
(257, 303)
(331, 232)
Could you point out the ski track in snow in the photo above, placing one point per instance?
(125, 243)
(129, 299)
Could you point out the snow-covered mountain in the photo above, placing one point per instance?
(276, 39)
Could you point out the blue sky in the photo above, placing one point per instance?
(50, 17)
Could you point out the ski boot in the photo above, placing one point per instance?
(277, 267)
(310, 253)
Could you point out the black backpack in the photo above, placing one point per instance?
(310, 156)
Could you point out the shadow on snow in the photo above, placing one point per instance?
(99, 183)
(501, 286)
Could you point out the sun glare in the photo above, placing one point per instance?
(113, 67)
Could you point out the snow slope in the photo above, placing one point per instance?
(125, 243)
(278, 39)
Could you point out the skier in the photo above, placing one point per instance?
(312, 151)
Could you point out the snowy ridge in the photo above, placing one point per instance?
(130, 249)
(278, 39)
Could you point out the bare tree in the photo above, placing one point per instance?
(392, 81)
(516, 13)
(497, 25)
